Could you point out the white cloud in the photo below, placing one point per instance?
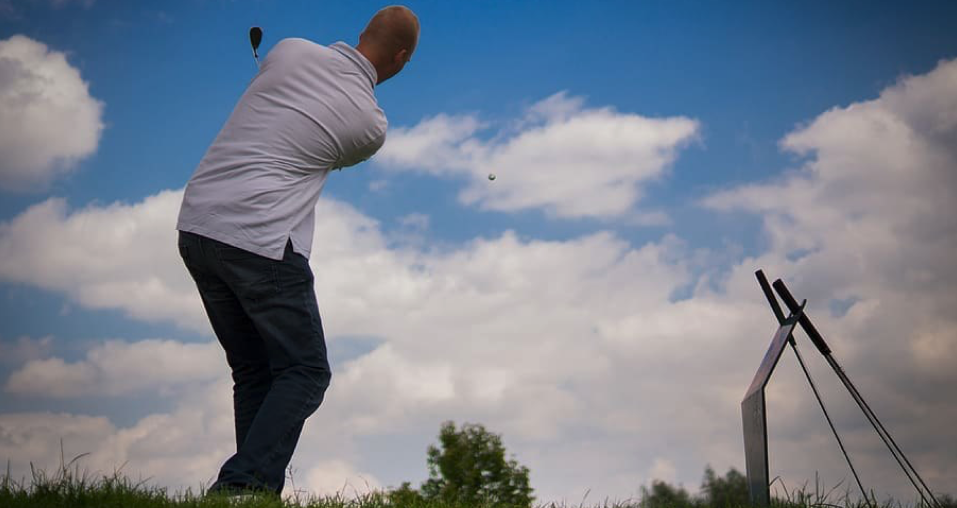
(182, 449)
(434, 146)
(463, 329)
(868, 217)
(339, 476)
(663, 470)
(179, 450)
(575, 350)
(24, 349)
(563, 158)
(418, 221)
(48, 120)
(120, 368)
(869, 214)
(378, 186)
(116, 256)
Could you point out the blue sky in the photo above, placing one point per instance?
(749, 74)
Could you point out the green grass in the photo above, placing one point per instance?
(68, 488)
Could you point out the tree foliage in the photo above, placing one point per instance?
(730, 491)
(405, 495)
(665, 495)
(469, 467)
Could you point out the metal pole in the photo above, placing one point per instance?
(779, 314)
(885, 436)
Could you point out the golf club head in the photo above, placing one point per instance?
(255, 37)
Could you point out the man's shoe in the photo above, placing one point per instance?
(237, 492)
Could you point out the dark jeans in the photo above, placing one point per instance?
(265, 315)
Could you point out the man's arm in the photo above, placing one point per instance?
(361, 153)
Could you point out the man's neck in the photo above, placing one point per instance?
(373, 58)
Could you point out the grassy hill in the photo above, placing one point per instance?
(70, 489)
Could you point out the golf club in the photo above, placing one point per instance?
(255, 37)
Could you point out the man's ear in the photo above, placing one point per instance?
(401, 56)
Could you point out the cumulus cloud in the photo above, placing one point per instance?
(561, 157)
(461, 332)
(415, 221)
(48, 120)
(183, 448)
(462, 336)
(24, 349)
(577, 350)
(179, 450)
(116, 256)
(662, 470)
(120, 368)
(329, 476)
(868, 219)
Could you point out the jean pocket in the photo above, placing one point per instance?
(183, 251)
(194, 271)
(251, 276)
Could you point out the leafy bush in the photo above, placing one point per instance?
(469, 467)
(664, 495)
(728, 492)
(731, 491)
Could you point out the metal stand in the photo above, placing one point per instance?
(754, 415)
(754, 409)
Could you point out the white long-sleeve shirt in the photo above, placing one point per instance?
(309, 110)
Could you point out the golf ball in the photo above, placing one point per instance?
(491, 176)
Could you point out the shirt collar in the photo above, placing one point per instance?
(360, 60)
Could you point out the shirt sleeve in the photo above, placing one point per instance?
(363, 152)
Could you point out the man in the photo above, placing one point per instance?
(246, 227)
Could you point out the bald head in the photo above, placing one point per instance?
(389, 40)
